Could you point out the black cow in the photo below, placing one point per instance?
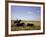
(23, 23)
(20, 24)
(30, 24)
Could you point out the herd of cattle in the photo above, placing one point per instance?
(17, 23)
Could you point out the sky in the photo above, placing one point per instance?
(25, 13)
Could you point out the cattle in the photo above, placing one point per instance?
(23, 23)
(30, 24)
(20, 24)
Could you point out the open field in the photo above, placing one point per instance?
(36, 23)
(36, 26)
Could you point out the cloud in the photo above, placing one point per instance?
(31, 13)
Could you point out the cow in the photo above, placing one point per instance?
(30, 24)
(20, 24)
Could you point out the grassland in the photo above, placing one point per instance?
(35, 27)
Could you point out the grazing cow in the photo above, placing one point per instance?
(30, 24)
(20, 24)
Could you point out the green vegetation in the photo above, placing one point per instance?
(35, 27)
(25, 28)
